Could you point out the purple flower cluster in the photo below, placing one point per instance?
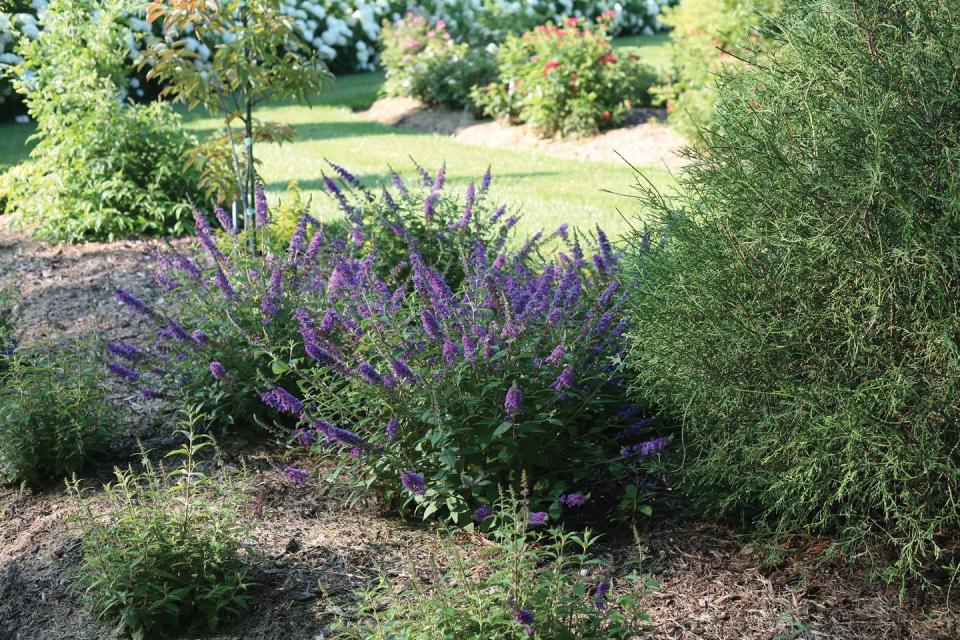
(645, 449)
(279, 399)
(413, 482)
(298, 477)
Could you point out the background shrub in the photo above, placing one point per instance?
(54, 417)
(86, 180)
(528, 584)
(164, 556)
(565, 80)
(422, 61)
(346, 34)
(797, 303)
(708, 37)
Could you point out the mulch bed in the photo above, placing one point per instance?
(312, 552)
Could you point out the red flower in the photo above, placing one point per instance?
(552, 64)
(606, 115)
(608, 58)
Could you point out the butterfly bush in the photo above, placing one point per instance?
(448, 393)
(413, 340)
(223, 304)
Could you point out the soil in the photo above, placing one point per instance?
(313, 549)
(644, 140)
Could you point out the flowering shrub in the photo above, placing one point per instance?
(84, 180)
(166, 555)
(53, 414)
(422, 61)
(453, 363)
(465, 389)
(565, 80)
(531, 583)
(227, 303)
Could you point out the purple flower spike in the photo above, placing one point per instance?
(135, 303)
(539, 519)
(565, 380)
(482, 512)
(223, 283)
(393, 429)
(599, 593)
(205, 235)
(263, 212)
(573, 500)
(298, 477)
(430, 325)
(441, 179)
(485, 181)
(413, 482)
(304, 437)
(513, 401)
(369, 374)
(646, 449)
(225, 220)
(125, 351)
(123, 372)
(524, 616)
(449, 352)
(557, 355)
(403, 371)
(429, 203)
(283, 401)
(272, 296)
(218, 371)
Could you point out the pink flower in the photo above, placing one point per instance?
(441, 25)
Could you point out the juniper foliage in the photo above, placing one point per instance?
(797, 304)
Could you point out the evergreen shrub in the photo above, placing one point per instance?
(797, 304)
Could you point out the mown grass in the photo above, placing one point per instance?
(548, 190)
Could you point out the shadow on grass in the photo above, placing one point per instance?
(376, 180)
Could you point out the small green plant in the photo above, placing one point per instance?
(565, 80)
(527, 584)
(423, 61)
(87, 181)
(53, 414)
(165, 555)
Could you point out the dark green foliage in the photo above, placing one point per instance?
(164, 557)
(53, 413)
(798, 303)
(101, 168)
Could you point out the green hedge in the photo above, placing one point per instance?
(797, 305)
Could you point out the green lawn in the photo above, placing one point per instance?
(548, 190)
